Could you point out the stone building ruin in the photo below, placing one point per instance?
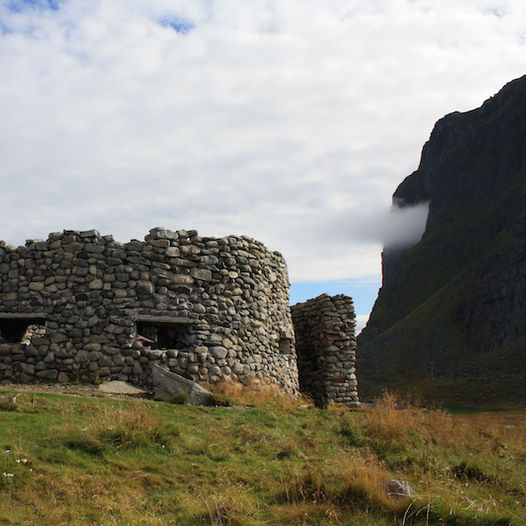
(81, 306)
(326, 357)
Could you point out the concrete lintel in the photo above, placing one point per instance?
(23, 316)
(164, 320)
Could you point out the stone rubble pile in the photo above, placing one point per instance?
(326, 349)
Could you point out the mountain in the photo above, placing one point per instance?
(450, 319)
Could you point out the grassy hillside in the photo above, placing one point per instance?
(80, 460)
(436, 342)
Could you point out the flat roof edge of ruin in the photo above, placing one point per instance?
(155, 233)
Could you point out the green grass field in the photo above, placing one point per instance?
(67, 460)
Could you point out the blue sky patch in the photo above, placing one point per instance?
(4, 30)
(17, 6)
(495, 11)
(178, 24)
(363, 291)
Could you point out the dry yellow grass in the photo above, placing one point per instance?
(271, 395)
(279, 462)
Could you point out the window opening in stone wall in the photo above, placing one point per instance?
(285, 345)
(19, 329)
(162, 335)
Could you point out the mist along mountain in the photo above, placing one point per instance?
(450, 318)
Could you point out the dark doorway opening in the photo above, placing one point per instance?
(285, 345)
(164, 333)
(15, 327)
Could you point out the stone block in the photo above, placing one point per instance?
(182, 279)
(96, 284)
(48, 374)
(202, 274)
(218, 352)
(167, 383)
(144, 287)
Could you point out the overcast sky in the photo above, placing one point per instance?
(291, 121)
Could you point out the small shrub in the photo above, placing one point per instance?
(219, 400)
(220, 512)
(34, 404)
(471, 472)
(347, 482)
(302, 487)
(7, 405)
(95, 379)
(256, 395)
(352, 434)
(126, 426)
(87, 409)
(24, 403)
(180, 398)
(86, 443)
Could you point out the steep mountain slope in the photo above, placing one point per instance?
(450, 318)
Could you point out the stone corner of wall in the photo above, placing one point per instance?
(326, 348)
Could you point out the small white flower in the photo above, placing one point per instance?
(8, 474)
(84, 429)
(7, 451)
(21, 460)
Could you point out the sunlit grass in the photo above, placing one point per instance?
(267, 460)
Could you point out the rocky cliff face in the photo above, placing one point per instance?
(452, 309)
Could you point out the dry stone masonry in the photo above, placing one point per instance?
(82, 306)
(325, 348)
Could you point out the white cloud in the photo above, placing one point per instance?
(361, 322)
(290, 121)
(405, 225)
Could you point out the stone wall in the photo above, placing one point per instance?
(325, 348)
(81, 306)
